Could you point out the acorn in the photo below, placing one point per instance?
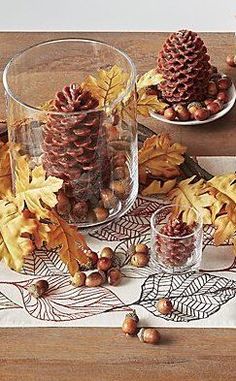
(78, 279)
(202, 114)
(141, 248)
(130, 324)
(104, 263)
(212, 88)
(170, 113)
(231, 60)
(109, 199)
(149, 336)
(107, 252)
(164, 306)
(114, 276)
(95, 279)
(101, 213)
(224, 83)
(38, 288)
(139, 260)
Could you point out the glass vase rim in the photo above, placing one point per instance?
(120, 97)
(196, 230)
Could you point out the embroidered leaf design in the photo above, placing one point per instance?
(107, 85)
(151, 78)
(44, 262)
(147, 103)
(136, 221)
(71, 243)
(5, 170)
(33, 188)
(15, 229)
(6, 303)
(64, 302)
(188, 195)
(194, 296)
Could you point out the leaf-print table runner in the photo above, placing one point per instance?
(203, 299)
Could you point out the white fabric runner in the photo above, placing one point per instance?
(205, 299)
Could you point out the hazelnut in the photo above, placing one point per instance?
(141, 248)
(223, 96)
(182, 113)
(212, 88)
(63, 204)
(170, 113)
(104, 263)
(101, 214)
(164, 306)
(202, 114)
(80, 211)
(129, 326)
(114, 276)
(224, 83)
(231, 61)
(120, 187)
(149, 335)
(107, 252)
(109, 199)
(78, 279)
(95, 279)
(39, 288)
(139, 259)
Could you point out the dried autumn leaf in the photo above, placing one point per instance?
(225, 225)
(225, 185)
(147, 103)
(14, 246)
(5, 170)
(32, 188)
(158, 187)
(71, 243)
(188, 196)
(107, 85)
(151, 78)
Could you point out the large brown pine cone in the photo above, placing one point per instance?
(74, 146)
(184, 64)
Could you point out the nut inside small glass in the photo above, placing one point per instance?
(176, 245)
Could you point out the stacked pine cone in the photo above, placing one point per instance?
(184, 64)
(75, 150)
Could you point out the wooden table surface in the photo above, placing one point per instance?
(73, 354)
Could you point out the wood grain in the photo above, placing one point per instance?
(72, 354)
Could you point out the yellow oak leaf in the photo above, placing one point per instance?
(151, 78)
(188, 196)
(107, 85)
(70, 242)
(147, 103)
(15, 230)
(225, 186)
(225, 225)
(5, 170)
(158, 187)
(33, 189)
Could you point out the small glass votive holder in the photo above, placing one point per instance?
(176, 245)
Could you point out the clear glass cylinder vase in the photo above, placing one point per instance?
(71, 108)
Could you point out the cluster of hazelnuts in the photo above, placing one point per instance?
(146, 335)
(217, 96)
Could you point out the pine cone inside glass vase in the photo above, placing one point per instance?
(75, 150)
(184, 64)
